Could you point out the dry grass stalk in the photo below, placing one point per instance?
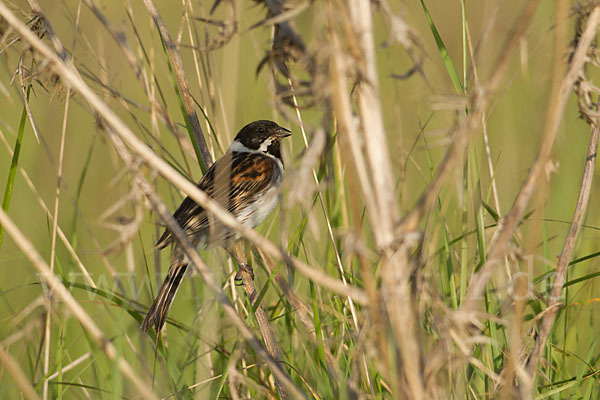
(18, 375)
(498, 249)
(372, 128)
(397, 268)
(62, 293)
(65, 241)
(478, 103)
(554, 115)
(355, 162)
(378, 191)
(554, 297)
(178, 71)
(554, 302)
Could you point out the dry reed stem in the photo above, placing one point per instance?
(513, 366)
(184, 89)
(18, 375)
(62, 293)
(554, 302)
(400, 305)
(380, 201)
(53, 241)
(72, 364)
(372, 128)
(349, 138)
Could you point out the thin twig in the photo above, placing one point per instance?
(53, 242)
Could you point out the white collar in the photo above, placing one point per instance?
(239, 147)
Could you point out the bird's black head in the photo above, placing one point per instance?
(263, 136)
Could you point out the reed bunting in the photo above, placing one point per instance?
(246, 182)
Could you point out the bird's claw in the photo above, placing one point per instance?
(244, 268)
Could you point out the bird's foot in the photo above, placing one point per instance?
(244, 268)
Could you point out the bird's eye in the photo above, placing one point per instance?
(261, 129)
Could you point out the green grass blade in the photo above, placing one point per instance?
(443, 52)
(82, 177)
(13, 164)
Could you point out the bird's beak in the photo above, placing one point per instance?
(282, 133)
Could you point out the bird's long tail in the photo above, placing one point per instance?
(157, 314)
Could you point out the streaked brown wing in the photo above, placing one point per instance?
(233, 180)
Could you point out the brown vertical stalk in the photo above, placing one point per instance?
(184, 88)
(523, 383)
(358, 180)
(261, 317)
(396, 269)
(554, 298)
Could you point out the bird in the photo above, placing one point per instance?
(246, 181)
